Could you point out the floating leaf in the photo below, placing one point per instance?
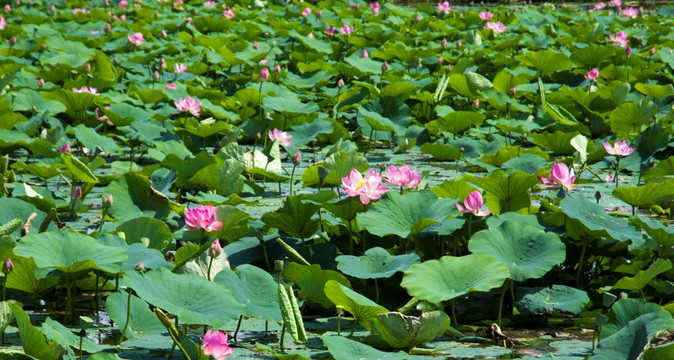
(145, 227)
(254, 287)
(375, 263)
(551, 301)
(342, 348)
(403, 331)
(134, 197)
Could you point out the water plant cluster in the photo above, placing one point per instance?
(335, 180)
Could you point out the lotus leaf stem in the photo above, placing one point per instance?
(456, 322)
(283, 332)
(128, 316)
(500, 304)
(238, 326)
(581, 263)
(210, 264)
(292, 175)
(376, 291)
(617, 170)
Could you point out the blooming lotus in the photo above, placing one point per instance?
(631, 12)
(264, 74)
(444, 7)
(3, 23)
(215, 344)
(84, 89)
(560, 176)
(189, 104)
(592, 75)
(229, 13)
(472, 204)
(496, 26)
(619, 148)
(179, 68)
(136, 39)
(375, 7)
(282, 137)
(367, 188)
(620, 39)
(306, 11)
(600, 5)
(346, 30)
(209, 4)
(330, 31)
(486, 15)
(202, 217)
(402, 176)
(170, 86)
(65, 148)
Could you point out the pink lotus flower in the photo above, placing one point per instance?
(560, 176)
(367, 188)
(600, 6)
(229, 13)
(215, 344)
(444, 7)
(202, 217)
(616, 3)
(65, 148)
(496, 26)
(486, 15)
(472, 204)
(631, 12)
(3, 23)
(136, 39)
(346, 30)
(179, 68)
(330, 31)
(170, 86)
(619, 148)
(188, 104)
(444, 43)
(592, 75)
(364, 54)
(402, 176)
(282, 137)
(123, 3)
(209, 4)
(375, 7)
(306, 11)
(620, 39)
(264, 74)
(84, 89)
(610, 177)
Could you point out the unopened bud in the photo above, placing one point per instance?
(215, 250)
(449, 67)
(440, 60)
(278, 265)
(277, 69)
(444, 43)
(108, 201)
(297, 158)
(256, 45)
(77, 193)
(340, 83)
(628, 51)
(155, 75)
(364, 54)
(459, 44)
(163, 34)
(44, 46)
(7, 267)
(653, 50)
(87, 68)
(107, 28)
(512, 92)
(40, 83)
(476, 103)
(140, 267)
(384, 66)
(12, 41)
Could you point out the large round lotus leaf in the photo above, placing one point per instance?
(255, 287)
(151, 258)
(311, 281)
(375, 263)
(145, 227)
(21, 210)
(529, 252)
(70, 252)
(134, 196)
(362, 308)
(627, 310)
(193, 299)
(141, 318)
(409, 214)
(403, 331)
(450, 277)
(549, 301)
(342, 348)
(629, 343)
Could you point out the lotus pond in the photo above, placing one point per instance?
(330, 180)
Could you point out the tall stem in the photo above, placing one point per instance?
(376, 291)
(210, 264)
(283, 332)
(292, 175)
(456, 322)
(581, 263)
(350, 230)
(500, 304)
(238, 326)
(617, 170)
(128, 315)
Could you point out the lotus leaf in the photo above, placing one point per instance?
(254, 287)
(363, 309)
(375, 263)
(550, 301)
(311, 281)
(402, 331)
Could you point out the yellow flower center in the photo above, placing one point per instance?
(360, 184)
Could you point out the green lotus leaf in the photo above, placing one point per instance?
(557, 142)
(123, 114)
(151, 258)
(546, 61)
(526, 163)
(75, 103)
(311, 281)
(627, 310)
(453, 189)
(630, 117)
(469, 84)
(6, 314)
(141, 318)
(403, 331)
(375, 263)
(662, 234)
(594, 218)
(224, 178)
(591, 56)
(456, 122)
(33, 341)
(664, 168)
(134, 196)
(254, 287)
(70, 252)
(27, 98)
(234, 223)
(145, 227)
(551, 301)
(24, 277)
(655, 91)
(644, 277)
(450, 277)
(77, 169)
(505, 80)
(64, 336)
(506, 192)
(362, 308)
(291, 105)
(313, 44)
(93, 140)
(654, 193)
(193, 299)
(410, 214)
(441, 151)
(294, 217)
(339, 165)
(342, 348)
(305, 133)
(528, 251)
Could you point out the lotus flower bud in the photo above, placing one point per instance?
(155, 75)
(12, 41)
(107, 203)
(476, 103)
(215, 250)
(653, 50)
(459, 44)
(77, 193)
(87, 68)
(264, 74)
(364, 54)
(440, 60)
(278, 265)
(444, 43)
(384, 66)
(140, 267)
(277, 69)
(7, 267)
(163, 34)
(107, 28)
(449, 67)
(256, 45)
(340, 83)
(44, 47)
(628, 51)
(512, 92)
(297, 158)
(40, 83)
